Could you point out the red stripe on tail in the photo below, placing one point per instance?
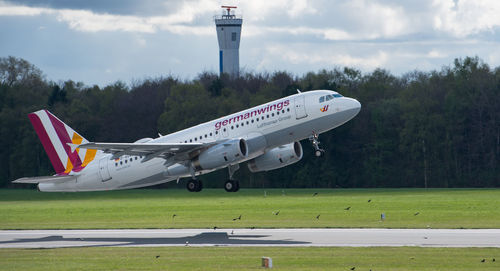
(62, 133)
(47, 144)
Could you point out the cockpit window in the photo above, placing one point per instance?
(322, 99)
(336, 95)
(329, 97)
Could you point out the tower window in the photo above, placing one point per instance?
(233, 36)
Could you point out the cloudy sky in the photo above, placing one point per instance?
(102, 41)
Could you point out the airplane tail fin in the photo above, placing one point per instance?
(55, 136)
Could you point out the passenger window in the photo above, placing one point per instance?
(322, 99)
(329, 97)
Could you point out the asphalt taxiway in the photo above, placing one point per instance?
(250, 237)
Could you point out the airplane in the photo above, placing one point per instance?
(267, 137)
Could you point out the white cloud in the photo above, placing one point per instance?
(466, 17)
(324, 57)
(376, 20)
(8, 10)
(87, 21)
(260, 10)
(322, 33)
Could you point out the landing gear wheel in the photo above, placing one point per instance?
(237, 186)
(232, 186)
(200, 186)
(319, 153)
(194, 186)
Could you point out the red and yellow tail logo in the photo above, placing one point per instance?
(55, 136)
(324, 109)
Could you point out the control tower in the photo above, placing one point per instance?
(228, 33)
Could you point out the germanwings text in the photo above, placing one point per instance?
(250, 114)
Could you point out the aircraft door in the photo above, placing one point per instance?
(103, 169)
(300, 107)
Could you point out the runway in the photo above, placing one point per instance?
(249, 237)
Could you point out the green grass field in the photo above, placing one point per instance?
(298, 208)
(237, 258)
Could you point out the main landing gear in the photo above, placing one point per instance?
(232, 185)
(194, 185)
(315, 142)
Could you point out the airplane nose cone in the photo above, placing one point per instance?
(356, 105)
(353, 107)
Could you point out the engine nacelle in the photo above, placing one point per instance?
(222, 155)
(277, 158)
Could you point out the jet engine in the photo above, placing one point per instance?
(222, 155)
(277, 158)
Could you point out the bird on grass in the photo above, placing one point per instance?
(493, 260)
(369, 200)
(354, 267)
(174, 215)
(315, 194)
(252, 228)
(215, 228)
(417, 213)
(237, 218)
(483, 260)
(157, 256)
(348, 208)
(277, 213)
(317, 217)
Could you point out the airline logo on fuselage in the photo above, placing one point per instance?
(324, 109)
(256, 112)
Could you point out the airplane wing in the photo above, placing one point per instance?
(45, 179)
(181, 151)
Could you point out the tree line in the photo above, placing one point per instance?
(420, 129)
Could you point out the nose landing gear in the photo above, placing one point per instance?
(314, 138)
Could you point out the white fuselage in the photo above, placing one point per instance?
(264, 127)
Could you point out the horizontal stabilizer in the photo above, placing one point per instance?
(45, 179)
